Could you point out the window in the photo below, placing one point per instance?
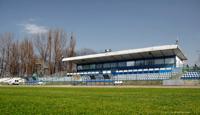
(92, 66)
(169, 61)
(139, 62)
(106, 65)
(159, 61)
(149, 62)
(122, 64)
(80, 67)
(98, 66)
(86, 67)
(130, 63)
(113, 65)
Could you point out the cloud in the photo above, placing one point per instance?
(34, 28)
(31, 19)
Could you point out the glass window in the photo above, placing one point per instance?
(83, 66)
(92, 66)
(159, 61)
(112, 65)
(122, 64)
(169, 61)
(130, 63)
(106, 65)
(149, 62)
(80, 67)
(139, 62)
(86, 67)
(98, 66)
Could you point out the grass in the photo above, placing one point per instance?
(90, 101)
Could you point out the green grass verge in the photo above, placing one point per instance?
(90, 101)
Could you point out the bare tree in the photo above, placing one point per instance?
(5, 45)
(49, 47)
(41, 44)
(27, 57)
(60, 44)
(14, 58)
(57, 50)
(19, 57)
(71, 53)
(85, 51)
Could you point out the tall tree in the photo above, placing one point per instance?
(41, 44)
(49, 47)
(5, 44)
(19, 57)
(71, 53)
(14, 58)
(85, 51)
(27, 57)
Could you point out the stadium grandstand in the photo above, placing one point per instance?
(151, 63)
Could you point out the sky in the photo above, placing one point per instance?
(109, 24)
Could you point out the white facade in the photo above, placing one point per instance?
(179, 63)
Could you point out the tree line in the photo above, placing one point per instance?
(23, 57)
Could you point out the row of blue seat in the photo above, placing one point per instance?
(191, 76)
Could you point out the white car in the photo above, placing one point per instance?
(118, 82)
(40, 83)
(13, 82)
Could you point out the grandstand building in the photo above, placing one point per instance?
(151, 63)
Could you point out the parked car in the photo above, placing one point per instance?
(40, 83)
(118, 82)
(13, 82)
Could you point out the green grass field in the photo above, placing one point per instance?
(90, 101)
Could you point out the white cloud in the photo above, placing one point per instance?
(34, 28)
(31, 19)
